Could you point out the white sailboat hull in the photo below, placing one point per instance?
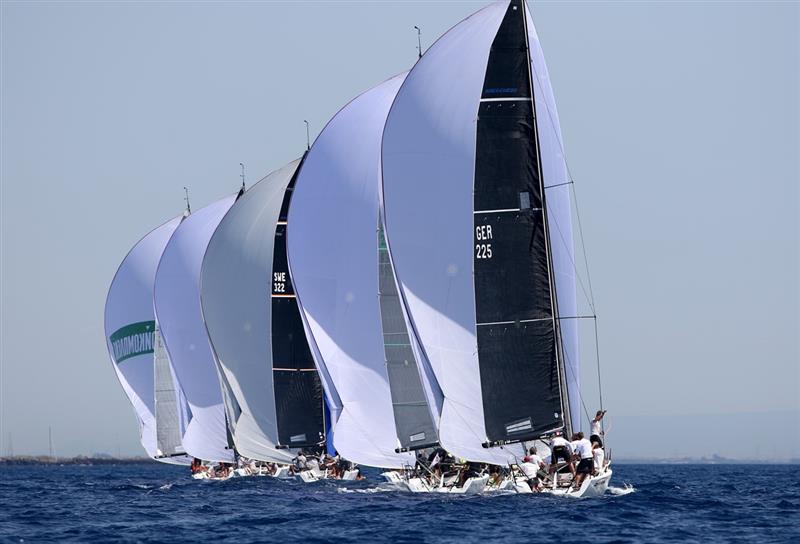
(593, 486)
(472, 486)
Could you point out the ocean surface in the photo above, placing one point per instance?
(160, 503)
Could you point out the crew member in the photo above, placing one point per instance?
(560, 450)
(597, 427)
(585, 458)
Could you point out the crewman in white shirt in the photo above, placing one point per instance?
(585, 458)
(561, 450)
(530, 466)
(597, 427)
(599, 458)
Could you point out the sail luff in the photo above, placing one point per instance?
(559, 210)
(556, 323)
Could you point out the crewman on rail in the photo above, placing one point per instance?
(560, 451)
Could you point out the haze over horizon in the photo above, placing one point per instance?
(681, 124)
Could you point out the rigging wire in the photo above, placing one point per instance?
(571, 182)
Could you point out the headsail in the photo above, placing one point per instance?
(335, 258)
(130, 325)
(177, 305)
(464, 218)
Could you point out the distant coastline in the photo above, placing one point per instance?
(78, 460)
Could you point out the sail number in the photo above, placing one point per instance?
(279, 282)
(483, 249)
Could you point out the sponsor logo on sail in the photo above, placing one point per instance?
(132, 340)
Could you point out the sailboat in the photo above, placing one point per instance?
(178, 313)
(335, 255)
(256, 329)
(477, 213)
(136, 351)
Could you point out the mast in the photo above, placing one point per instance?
(565, 411)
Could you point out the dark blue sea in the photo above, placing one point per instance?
(159, 503)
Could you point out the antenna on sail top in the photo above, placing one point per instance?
(242, 175)
(308, 137)
(186, 198)
(419, 41)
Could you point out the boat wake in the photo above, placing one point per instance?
(620, 491)
(369, 490)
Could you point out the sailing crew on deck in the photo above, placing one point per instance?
(597, 427)
(599, 457)
(585, 458)
(560, 449)
(530, 466)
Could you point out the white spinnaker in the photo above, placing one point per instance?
(177, 305)
(333, 251)
(235, 294)
(559, 216)
(130, 302)
(428, 169)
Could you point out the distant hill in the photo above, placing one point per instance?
(101, 459)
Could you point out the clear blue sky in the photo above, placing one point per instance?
(681, 122)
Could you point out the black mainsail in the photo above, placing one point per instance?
(517, 325)
(298, 390)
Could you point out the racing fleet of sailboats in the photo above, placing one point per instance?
(403, 296)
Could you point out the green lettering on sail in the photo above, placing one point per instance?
(132, 340)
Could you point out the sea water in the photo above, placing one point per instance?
(160, 503)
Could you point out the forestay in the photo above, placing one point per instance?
(130, 326)
(177, 305)
(235, 293)
(334, 256)
(462, 198)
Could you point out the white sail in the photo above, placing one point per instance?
(235, 294)
(333, 251)
(559, 208)
(168, 403)
(177, 305)
(429, 161)
(130, 327)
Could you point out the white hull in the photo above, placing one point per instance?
(315, 475)
(593, 486)
(472, 486)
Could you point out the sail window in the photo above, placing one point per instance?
(417, 437)
(524, 200)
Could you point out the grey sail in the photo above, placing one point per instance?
(412, 416)
(168, 431)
